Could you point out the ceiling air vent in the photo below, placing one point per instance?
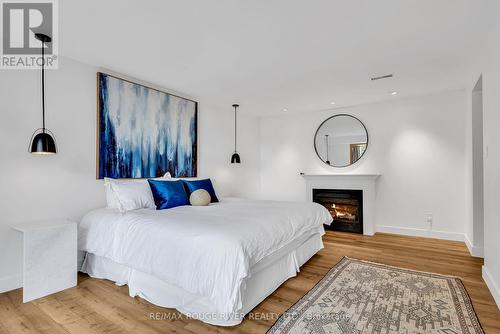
(387, 76)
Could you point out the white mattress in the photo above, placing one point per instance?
(264, 278)
(207, 252)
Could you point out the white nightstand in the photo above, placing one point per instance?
(49, 257)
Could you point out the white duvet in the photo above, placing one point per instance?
(207, 251)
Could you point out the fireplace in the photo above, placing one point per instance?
(345, 206)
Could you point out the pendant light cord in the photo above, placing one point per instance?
(326, 140)
(235, 128)
(43, 86)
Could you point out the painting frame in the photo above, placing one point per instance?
(195, 144)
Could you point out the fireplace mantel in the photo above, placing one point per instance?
(341, 176)
(365, 182)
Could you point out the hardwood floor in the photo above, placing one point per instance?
(98, 306)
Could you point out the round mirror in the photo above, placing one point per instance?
(341, 140)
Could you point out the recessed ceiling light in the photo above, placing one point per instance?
(394, 93)
(285, 109)
(332, 103)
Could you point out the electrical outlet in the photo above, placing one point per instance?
(428, 219)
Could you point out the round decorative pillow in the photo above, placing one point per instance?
(200, 197)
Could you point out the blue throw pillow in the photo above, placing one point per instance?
(201, 184)
(168, 194)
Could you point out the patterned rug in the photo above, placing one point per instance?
(362, 297)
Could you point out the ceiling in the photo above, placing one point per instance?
(276, 54)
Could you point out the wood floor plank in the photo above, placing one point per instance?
(16, 317)
(99, 306)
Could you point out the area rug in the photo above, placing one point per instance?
(363, 297)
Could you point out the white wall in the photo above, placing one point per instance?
(418, 145)
(64, 185)
(488, 65)
(477, 171)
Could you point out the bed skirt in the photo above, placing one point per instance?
(265, 277)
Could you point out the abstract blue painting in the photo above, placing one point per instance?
(144, 132)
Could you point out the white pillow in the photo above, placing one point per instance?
(111, 200)
(200, 197)
(188, 178)
(127, 195)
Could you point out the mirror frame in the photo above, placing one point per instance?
(326, 120)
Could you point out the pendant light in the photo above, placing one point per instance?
(235, 158)
(42, 140)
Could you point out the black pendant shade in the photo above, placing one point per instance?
(42, 140)
(43, 143)
(235, 158)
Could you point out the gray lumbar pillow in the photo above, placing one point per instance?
(200, 197)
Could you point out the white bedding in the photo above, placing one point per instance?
(207, 251)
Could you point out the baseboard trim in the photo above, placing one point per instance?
(474, 251)
(11, 282)
(490, 283)
(417, 232)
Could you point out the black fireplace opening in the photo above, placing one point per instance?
(345, 206)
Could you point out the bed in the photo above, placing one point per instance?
(212, 263)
